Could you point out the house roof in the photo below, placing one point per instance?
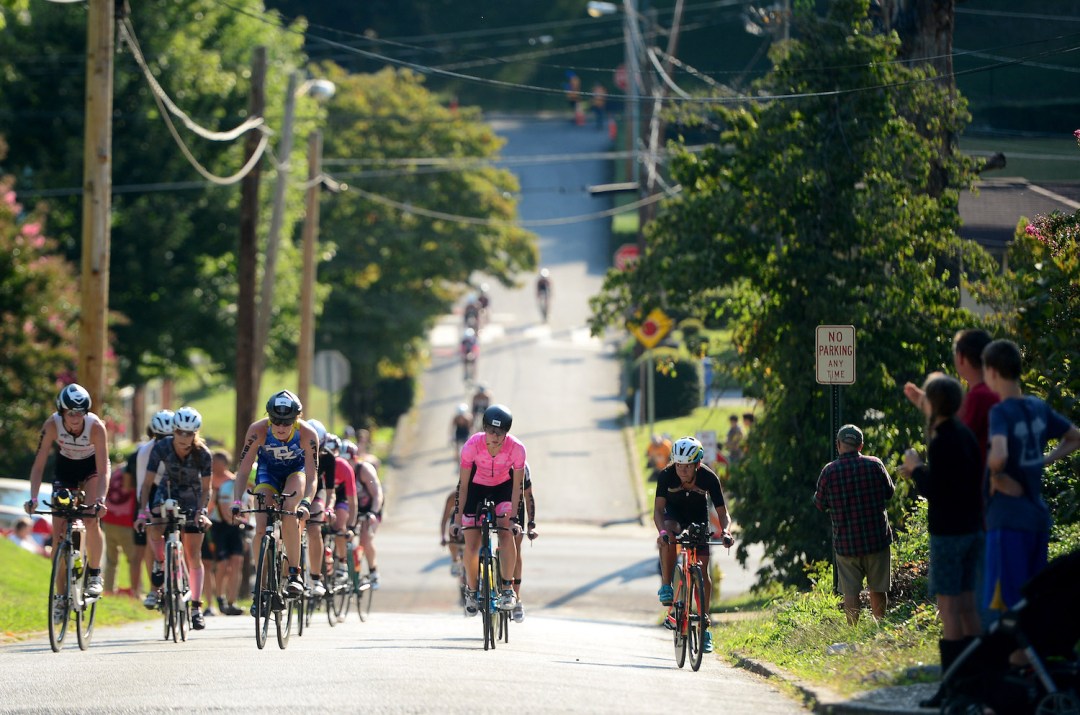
(991, 212)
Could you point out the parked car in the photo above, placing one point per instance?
(13, 494)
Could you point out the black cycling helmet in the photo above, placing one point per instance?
(73, 397)
(498, 416)
(284, 406)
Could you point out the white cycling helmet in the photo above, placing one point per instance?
(161, 423)
(320, 430)
(687, 450)
(187, 419)
(462, 409)
(332, 444)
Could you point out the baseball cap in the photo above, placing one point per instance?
(850, 434)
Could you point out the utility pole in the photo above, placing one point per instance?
(97, 198)
(306, 349)
(246, 260)
(273, 238)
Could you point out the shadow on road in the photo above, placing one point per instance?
(646, 568)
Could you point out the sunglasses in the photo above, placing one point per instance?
(79, 413)
(282, 423)
(183, 433)
(495, 431)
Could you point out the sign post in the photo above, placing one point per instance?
(834, 357)
(331, 373)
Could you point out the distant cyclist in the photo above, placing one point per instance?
(682, 493)
(161, 425)
(492, 467)
(543, 292)
(461, 427)
(82, 463)
(287, 448)
(470, 352)
(369, 502)
(526, 507)
(181, 467)
(480, 402)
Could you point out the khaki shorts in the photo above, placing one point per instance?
(875, 568)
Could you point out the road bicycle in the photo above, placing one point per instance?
(359, 585)
(338, 592)
(487, 596)
(175, 599)
(67, 585)
(543, 301)
(271, 574)
(689, 615)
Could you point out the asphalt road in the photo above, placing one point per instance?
(590, 641)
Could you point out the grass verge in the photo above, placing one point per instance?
(24, 582)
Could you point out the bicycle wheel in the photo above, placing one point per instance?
(337, 596)
(183, 594)
(172, 594)
(302, 601)
(283, 619)
(84, 614)
(61, 567)
(678, 610)
(265, 583)
(696, 613)
(485, 601)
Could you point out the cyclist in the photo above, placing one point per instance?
(181, 466)
(287, 448)
(461, 425)
(472, 311)
(492, 466)
(470, 351)
(526, 506)
(340, 484)
(543, 291)
(318, 506)
(369, 502)
(83, 444)
(480, 402)
(161, 425)
(448, 537)
(682, 492)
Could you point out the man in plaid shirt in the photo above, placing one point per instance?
(854, 491)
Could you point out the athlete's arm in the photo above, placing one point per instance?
(100, 437)
(370, 479)
(256, 437)
(45, 443)
(309, 443)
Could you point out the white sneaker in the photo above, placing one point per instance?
(318, 590)
(151, 600)
(507, 600)
(519, 613)
(455, 569)
(472, 608)
(341, 575)
(373, 579)
(94, 586)
(59, 609)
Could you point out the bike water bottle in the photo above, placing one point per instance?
(78, 530)
(328, 558)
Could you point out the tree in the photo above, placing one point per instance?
(392, 272)
(813, 208)
(38, 312)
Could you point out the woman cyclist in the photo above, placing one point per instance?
(492, 466)
(181, 466)
(83, 459)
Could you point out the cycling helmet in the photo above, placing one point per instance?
(332, 444)
(187, 419)
(161, 423)
(284, 406)
(544, 273)
(320, 430)
(73, 397)
(351, 450)
(687, 450)
(498, 416)
(463, 409)
(470, 333)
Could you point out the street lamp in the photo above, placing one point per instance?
(321, 90)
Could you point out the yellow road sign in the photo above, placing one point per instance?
(653, 329)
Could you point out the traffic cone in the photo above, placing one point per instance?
(612, 129)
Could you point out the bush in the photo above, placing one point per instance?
(678, 385)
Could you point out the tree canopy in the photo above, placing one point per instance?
(814, 208)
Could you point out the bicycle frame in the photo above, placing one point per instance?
(175, 602)
(488, 578)
(69, 572)
(269, 596)
(688, 608)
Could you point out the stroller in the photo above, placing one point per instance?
(1045, 624)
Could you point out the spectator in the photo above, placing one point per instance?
(21, 536)
(951, 484)
(599, 104)
(734, 442)
(747, 425)
(1017, 518)
(659, 455)
(226, 534)
(119, 526)
(854, 490)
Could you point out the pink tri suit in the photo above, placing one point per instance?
(490, 475)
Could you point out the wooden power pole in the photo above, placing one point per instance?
(246, 261)
(306, 353)
(97, 198)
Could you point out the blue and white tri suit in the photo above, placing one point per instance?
(278, 460)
